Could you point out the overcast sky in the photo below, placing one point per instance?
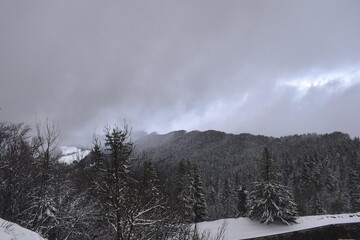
(263, 67)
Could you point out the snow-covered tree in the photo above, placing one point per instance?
(268, 169)
(199, 197)
(152, 209)
(316, 205)
(116, 185)
(150, 188)
(97, 155)
(16, 168)
(240, 197)
(353, 183)
(269, 201)
(42, 212)
(184, 199)
(227, 197)
(190, 200)
(122, 200)
(241, 194)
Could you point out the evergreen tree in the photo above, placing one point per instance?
(199, 197)
(353, 183)
(241, 201)
(151, 184)
(97, 155)
(305, 188)
(116, 187)
(153, 204)
(268, 170)
(123, 205)
(227, 199)
(184, 199)
(316, 206)
(269, 201)
(240, 197)
(97, 173)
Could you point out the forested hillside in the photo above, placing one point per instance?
(322, 170)
(157, 187)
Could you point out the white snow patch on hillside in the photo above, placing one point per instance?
(242, 228)
(71, 154)
(12, 231)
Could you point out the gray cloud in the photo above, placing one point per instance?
(166, 65)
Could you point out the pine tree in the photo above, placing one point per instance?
(151, 184)
(241, 194)
(184, 199)
(268, 170)
(353, 183)
(97, 155)
(269, 201)
(199, 197)
(123, 204)
(153, 204)
(316, 206)
(97, 173)
(228, 199)
(116, 185)
(241, 201)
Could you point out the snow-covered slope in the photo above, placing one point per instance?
(12, 231)
(71, 154)
(242, 228)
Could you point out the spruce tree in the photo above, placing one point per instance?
(316, 206)
(115, 184)
(353, 183)
(150, 184)
(227, 199)
(241, 201)
(269, 201)
(123, 206)
(97, 155)
(98, 171)
(199, 197)
(153, 205)
(240, 196)
(184, 193)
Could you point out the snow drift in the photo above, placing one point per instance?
(12, 231)
(242, 228)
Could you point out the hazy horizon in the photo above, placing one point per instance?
(273, 68)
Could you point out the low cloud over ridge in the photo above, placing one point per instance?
(181, 65)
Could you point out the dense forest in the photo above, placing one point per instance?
(155, 187)
(322, 170)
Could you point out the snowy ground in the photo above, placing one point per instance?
(71, 154)
(12, 231)
(242, 228)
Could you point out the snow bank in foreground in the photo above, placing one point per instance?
(12, 231)
(71, 154)
(242, 228)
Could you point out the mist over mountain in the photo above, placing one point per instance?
(179, 177)
(317, 167)
(105, 108)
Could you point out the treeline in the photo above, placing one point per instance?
(155, 188)
(321, 170)
(105, 199)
